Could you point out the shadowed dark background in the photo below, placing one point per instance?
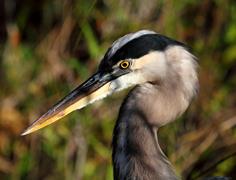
(49, 47)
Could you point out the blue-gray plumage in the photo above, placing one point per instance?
(163, 74)
(163, 95)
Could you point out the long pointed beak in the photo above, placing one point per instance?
(96, 87)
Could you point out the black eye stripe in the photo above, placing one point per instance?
(137, 48)
(140, 46)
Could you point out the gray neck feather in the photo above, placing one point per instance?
(136, 152)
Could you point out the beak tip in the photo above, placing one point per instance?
(27, 131)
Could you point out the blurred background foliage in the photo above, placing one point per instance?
(49, 47)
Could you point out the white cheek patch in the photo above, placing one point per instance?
(152, 58)
(149, 67)
(153, 65)
(126, 81)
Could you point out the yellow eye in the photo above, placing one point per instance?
(124, 64)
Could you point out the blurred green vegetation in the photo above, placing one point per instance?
(49, 47)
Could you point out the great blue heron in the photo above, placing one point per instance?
(164, 75)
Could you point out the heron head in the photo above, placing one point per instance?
(135, 58)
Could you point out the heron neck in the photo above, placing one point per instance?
(136, 152)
